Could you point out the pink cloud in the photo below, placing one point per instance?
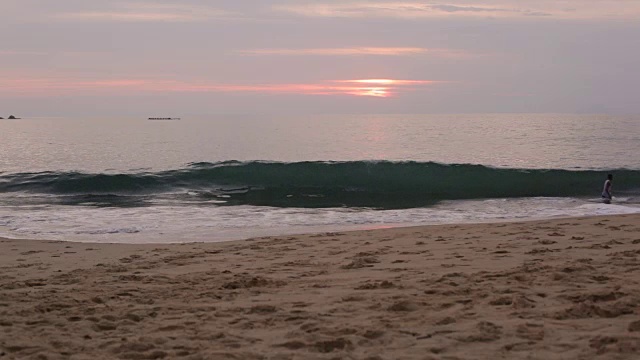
(387, 51)
(357, 51)
(146, 12)
(60, 86)
(17, 53)
(387, 82)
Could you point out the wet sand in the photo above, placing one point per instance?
(553, 289)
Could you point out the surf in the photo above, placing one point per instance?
(375, 184)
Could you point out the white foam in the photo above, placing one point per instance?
(164, 224)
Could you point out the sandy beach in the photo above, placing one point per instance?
(553, 289)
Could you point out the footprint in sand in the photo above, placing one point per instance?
(530, 331)
(619, 345)
(587, 310)
(446, 321)
(537, 251)
(634, 326)
(485, 332)
(547, 242)
(104, 326)
(361, 262)
(31, 252)
(376, 285)
(403, 306)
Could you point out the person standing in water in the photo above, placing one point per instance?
(606, 192)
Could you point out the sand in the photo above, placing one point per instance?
(553, 289)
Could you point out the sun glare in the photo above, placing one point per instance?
(371, 91)
(380, 87)
(389, 82)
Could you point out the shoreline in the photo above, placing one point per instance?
(555, 288)
(226, 235)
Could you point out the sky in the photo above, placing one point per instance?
(173, 58)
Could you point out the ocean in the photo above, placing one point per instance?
(227, 177)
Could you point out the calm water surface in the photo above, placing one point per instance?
(506, 140)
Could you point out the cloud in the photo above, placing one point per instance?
(389, 82)
(19, 53)
(566, 9)
(389, 9)
(454, 8)
(536, 13)
(58, 86)
(381, 51)
(361, 51)
(147, 12)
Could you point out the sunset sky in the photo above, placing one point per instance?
(80, 57)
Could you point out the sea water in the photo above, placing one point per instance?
(215, 178)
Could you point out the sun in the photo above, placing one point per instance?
(379, 87)
(374, 91)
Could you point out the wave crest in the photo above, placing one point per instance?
(378, 184)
